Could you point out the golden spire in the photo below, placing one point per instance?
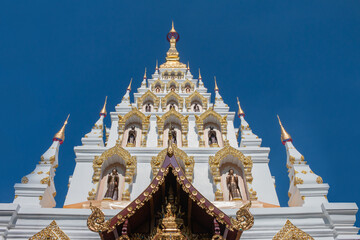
(240, 111)
(156, 68)
(216, 86)
(129, 87)
(60, 135)
(199, 74)
(188, 66)
(172, 27)
(145, 74)
(284, 135)
(103, 110)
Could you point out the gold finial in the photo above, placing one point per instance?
(216, 86)
(60, 135)
(284, 135)
(172, 27)
(103, 110)
(145, 74)
(129, 87)
(156, 68)
(240, 111)
(199, 74)
(188, 66)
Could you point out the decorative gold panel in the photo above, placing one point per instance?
(193, 96)
(216, 161)
(174, 83)
(130, 168)
(172, 95)
(180, 155)
(52, 232)
(184, 126)
(187, 83)
(244, 219)
(289, 232)
(147, 95)
(200, 124)
(145, 121)
(158, 83)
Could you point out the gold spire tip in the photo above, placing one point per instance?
(157, 67)
(145, 73)
(199, 74)
(103, 110)
(172, 27)
(285, 136)
(129, 87)
(240, 111)
(60, 135)
(216, 86)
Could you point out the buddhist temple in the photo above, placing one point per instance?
(173, 165)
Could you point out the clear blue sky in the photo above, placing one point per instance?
(298, 59)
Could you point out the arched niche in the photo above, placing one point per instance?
(205, 121)
(158, 86)
(172, 75)
(196, 97)
(239, 172)
(141, 123)
(148, 98)
(115, 156)
(225, 158)
(172, 97)
(172, 86)
(186, 162)
(103, 183)
(187, 86)
(169, 118)
(211, 126)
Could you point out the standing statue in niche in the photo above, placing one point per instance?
(172, 88)
(132, 136)
(172, 106)
(157, 89)
(187, 89)
(148, 108)
(173, 135)
(212, 137)
(232, 183)
(196, 108)
(112, 185)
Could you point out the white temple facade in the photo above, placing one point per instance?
(172, 102)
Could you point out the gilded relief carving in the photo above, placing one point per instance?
(52, 232)
(290, 231)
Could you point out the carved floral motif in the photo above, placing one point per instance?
(52, 232)
(289, 232)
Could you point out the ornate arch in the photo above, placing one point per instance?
(290, 231)
(196, 95)
(187, 82)
(169, 96)
(216, 161)
(184, 126)
(181, 156)
(147, 95)
(158, 82)
(129, 162)
(172, 82)
(201, 120)
(145, 121)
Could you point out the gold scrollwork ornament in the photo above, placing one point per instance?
(244, 219)
(96, 221)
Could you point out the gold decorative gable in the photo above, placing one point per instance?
(196, 95)
(216, 161)
(172, 82)
(183, 121)
(187, 82)
(158, 82)
(148, 95)
(145, 121)
(169, 96)
(290, 231)
(180, 155)
(200, 124)
(130, 168)
(51, 232)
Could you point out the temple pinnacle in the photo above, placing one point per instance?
(240, 111)
(103, 110)
(216, 86)
(199, 74)
(172, 27)
(157, 67)
(284, 135)
(129, 87)
(145, 74)
(60, 135)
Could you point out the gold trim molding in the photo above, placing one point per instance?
(200, 124)
(145, 121)
(184, 126)
(215, 163)
(172, 95)
(130, 168)
(290, 231)
(147, 95)
(190, 98)
(180, 155)
(52, 232)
